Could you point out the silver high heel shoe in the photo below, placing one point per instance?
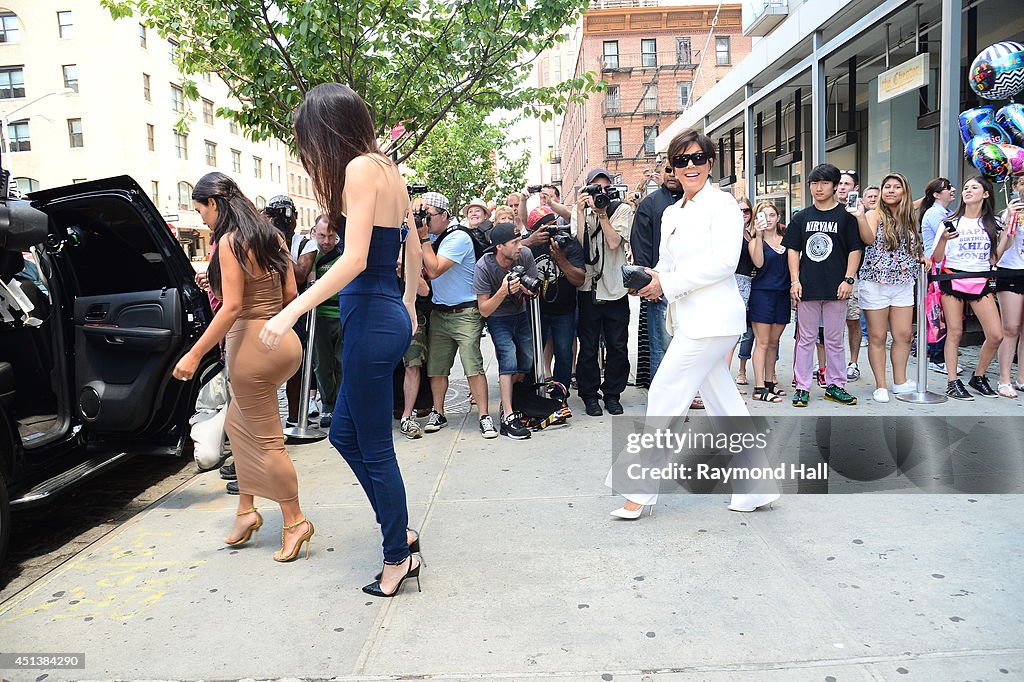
(626, 514)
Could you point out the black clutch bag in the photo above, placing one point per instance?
(635, 277)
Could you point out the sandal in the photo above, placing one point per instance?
(1018, 385)
(773, 388)
(764, 395)
(1006, 390)
(741, 380)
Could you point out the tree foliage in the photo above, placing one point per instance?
(416, 62)
(466, 157)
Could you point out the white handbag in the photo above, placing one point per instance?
(208, 422)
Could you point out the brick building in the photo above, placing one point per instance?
(654, 62)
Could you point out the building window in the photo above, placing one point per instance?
(684, 95)
(612, 102)
(71, 76)
(142, 36)
(146, 91)
(154, 189)
(12, 82)
(233, 127)
(648, 52)
(257, 166)
(64, 25)
(10, 27)
(207, 112)
(651, 97)
(683, 53)
(20, 141)
(261, 203)
(26, 185)
(613, 141)
(177, 99)
(611, 54)
(236, 161)
(723, 53)
(151, 137)
(184, 196)
(172, 50)
(208, 77)
(75, 133)
(211, 153)
(181, 145)
(650, 135)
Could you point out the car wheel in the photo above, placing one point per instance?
(5, 519)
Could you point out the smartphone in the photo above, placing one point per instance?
(762, 217)
(851, 200)
(1015, 195)
(950, 226)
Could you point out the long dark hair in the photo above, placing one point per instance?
(931, 189)
(332, 127)
(255, 237)
(988, 209)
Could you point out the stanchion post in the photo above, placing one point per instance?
(538, 346)
(303, 432)
(921, 395)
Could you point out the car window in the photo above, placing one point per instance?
(109, 247)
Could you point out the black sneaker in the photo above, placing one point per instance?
(980, 384)
(955, 389)
(227, 472)
(613, 405)
(839, 395)
(801, 398)
(435, 422)
(512, 428)
(593, 407)
(487, 429)
(232, 488)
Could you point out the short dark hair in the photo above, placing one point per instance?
(558, 192)
(687, 137)
(852, 174)
(824, 172)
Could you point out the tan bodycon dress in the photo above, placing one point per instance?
(253, 422)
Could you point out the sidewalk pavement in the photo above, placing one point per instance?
(528, 578)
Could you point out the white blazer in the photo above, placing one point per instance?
(700, 248)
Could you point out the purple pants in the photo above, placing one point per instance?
(832, 315)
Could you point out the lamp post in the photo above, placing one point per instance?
(7, 116)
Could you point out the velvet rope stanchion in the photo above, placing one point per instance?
(922, 396)
(303, 432)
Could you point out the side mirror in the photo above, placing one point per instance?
(21, 226)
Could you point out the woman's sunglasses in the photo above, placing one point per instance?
(683, 160)
(745, 210)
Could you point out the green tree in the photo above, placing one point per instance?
(416, 62)
(466, 157)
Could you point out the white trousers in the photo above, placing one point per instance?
(691, 365)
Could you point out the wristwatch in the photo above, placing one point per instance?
(424, 240)
(849, 280)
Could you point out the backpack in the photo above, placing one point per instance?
(480, 241)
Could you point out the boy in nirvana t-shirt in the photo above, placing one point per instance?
(824, 254)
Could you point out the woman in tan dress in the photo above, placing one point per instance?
(252, 274)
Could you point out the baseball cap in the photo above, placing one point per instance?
(435, 199)
(597, 172)
(503, 232)
(542, 215)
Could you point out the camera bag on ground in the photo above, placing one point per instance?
(538, 412)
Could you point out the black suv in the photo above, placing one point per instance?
(85, 376)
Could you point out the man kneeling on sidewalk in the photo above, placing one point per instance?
(501, 298)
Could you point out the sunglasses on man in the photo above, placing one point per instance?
(683, 160)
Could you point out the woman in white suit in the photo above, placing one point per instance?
(700, 237)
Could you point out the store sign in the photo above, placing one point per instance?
(910, 75)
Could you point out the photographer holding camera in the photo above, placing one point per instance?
(548, 196)
(602, 223)
(505, 276)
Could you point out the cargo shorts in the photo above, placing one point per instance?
(455, 332)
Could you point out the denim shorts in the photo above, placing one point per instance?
(513, 342)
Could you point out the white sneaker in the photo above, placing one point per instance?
(314, 407)
(852, 372)
(411, 428)
(863, 342)
(909, 386)
(880, 395)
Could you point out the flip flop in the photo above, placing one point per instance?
(742, 383)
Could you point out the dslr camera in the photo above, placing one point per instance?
(559, 236)
(603, 196)
(421, 217)
(531, 284)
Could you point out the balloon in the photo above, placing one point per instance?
(981, 122)
(991, 161)
(1011, 119)
(1015, 157)
(974, 143)
(998, 71)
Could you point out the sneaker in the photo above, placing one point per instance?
(325, 420)
(290, 423)
(227, 472)
(863, 342)
(487, 429)
(955, 389)
(820, 377)
(411, 428)
(613, 405)
(939, 367)
(838, 394)
(231, 488)
(980, 384)
(907, 387)
(852, 372)
(801, 398)
(593, 407)
(880, 395)
(314, 407)
(435, 422)
(512, 428)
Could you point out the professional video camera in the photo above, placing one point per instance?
(281, 211)
(603, 196)
(531, 284)
(417, 189)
